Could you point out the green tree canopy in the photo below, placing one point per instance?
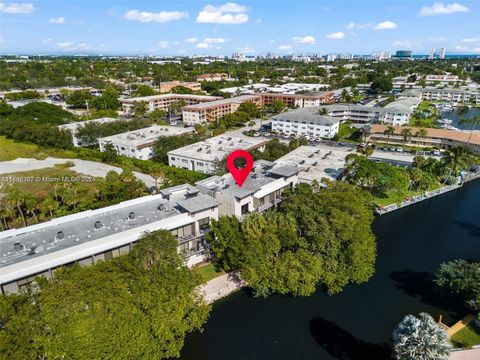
(143, 303)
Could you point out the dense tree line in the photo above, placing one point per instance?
(90, 132)
(36, 123)
(95, 72)
(139, 305)
(318, 237)
(80, 99)
(22, 208)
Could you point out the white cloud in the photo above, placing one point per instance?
(386, 25)
(246, 50)
(440, 9)
(202, 45)
(461, 48)
(470, 40)
(229, 14)
(46, 41)
(16, 8)
(304, 39)
(160, 17)
(259, 21)
(285, 47)
(191, 40)
(355, 26)
(214, 40)
(57, 20)
(70, 46)
(335, 36)
(166, 44)
(77, 22)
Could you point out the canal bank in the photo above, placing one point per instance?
(356, 324)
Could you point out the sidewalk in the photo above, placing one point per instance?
(221, 286)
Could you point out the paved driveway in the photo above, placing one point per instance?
(91, 168)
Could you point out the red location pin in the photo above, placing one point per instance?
(240, 175)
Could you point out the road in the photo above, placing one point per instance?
(91, 168)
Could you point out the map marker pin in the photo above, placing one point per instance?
(240, 175)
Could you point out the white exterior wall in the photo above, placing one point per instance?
(193, 117)
(203, 166)
(395, 118)
(129, 150)
(305, 129)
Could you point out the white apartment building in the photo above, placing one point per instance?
(139, 143)
(205, 156)
(443, 95)
(163, 101)
(75, 126)
(399, 112)
(262, 189)
(306, 122)
(93, 235)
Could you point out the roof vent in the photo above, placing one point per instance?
(131, 215)
(199, 149)
(98, 225)
(226, 186)
(60, 235)
(17, 246)
(229, 138)
(161, 207)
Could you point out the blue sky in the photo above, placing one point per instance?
(254, 27)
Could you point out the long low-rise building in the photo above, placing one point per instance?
(439, 138)
(443, 95)
(94, 235)
(263, 188)
(75, 126)
(163, 101)
(206, 156)
(213, 110)
(299, 100)
(308, 121)
(139, 143)
(167, 86)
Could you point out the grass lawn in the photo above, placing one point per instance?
(41, 189)
(395, 197)
(10, 150)
(467, 337)
(207, 272)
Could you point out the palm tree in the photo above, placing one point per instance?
(421, 133)
(457, 159)
(389, 131)
(156, 173)
(471, 121)
(407, 134)
(17, 199)
(420, 338)
(49, 204)
(323, 111)
(366, 130)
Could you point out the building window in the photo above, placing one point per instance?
(204, 223)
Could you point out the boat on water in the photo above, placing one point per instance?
(445, 107)
(444, 121)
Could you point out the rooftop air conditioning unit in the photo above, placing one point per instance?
(161, 207)
(131, 215)
(60, 235)
(17, 246)
(98, 225)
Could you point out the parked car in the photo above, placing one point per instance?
(436, 152)
(399, 149)
(256, 134)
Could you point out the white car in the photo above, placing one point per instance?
(318, 139)
(286, 136)
(256, 134)
(399, 149)
(436, 153)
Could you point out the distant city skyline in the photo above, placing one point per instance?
(249, 27)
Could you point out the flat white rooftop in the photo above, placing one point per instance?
(320, 161)
(75, 125)
(146, 135)
(218, 147)
(169, 96)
